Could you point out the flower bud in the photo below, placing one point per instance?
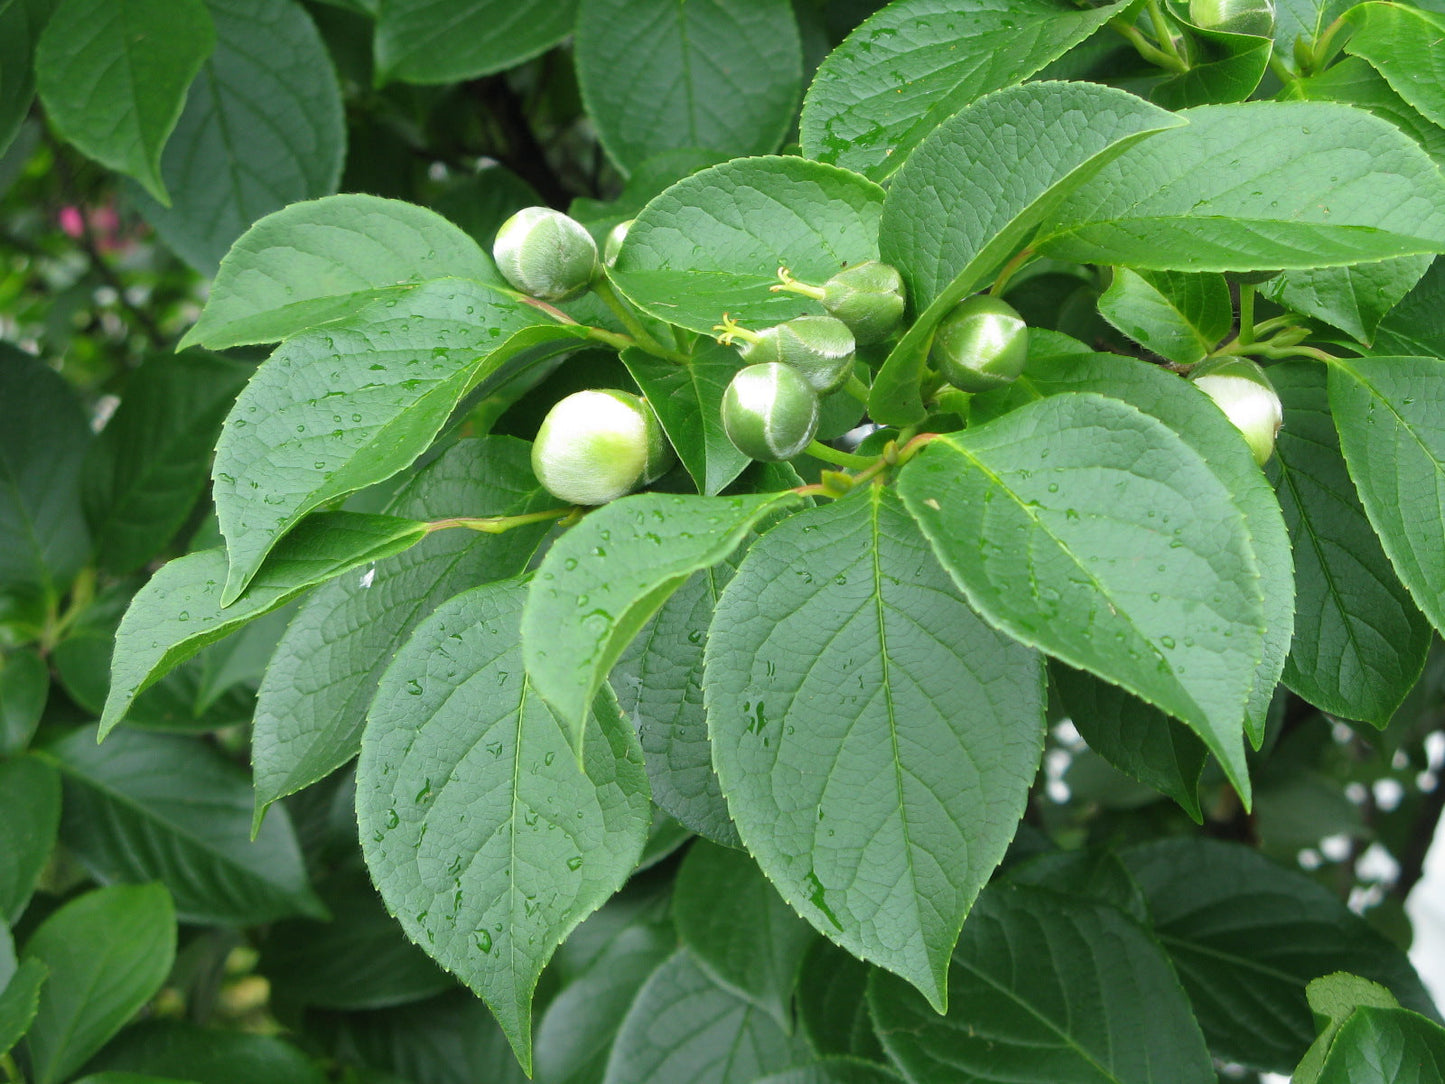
(1239, 388)
(1234, 16)
(821, 348)
(595, 446)
(981, 344)
(868, 297)
(545, 254)
(770, 412)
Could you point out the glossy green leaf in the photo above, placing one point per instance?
(1137, 559)
(185, 1051)
(1036, 989)
(683, 1026)
(445, 41)
(1133, 736)
(30, 811)
(1058, 133)
(834, 1071)
(263, 127)
(149, 465)
(319, 261)
(341, 407)
(687, 399)
(21, 23)
(356, 959)
(1360, 642)
(667, 706)
(1257, 186)
(450, 1039)
(128, 1078)
(1226, 68)
(1246, 935)
(1352, 298)
(113, 76)
(1096, 875)
(488, 838)
(1403, 44)
(1355, 82)
(738, 927)
(1333, 999)
(1056, 370)
(602, 580)
(24, 689)
(19, 1002)
(152, 807)
(1386, 1046)
(719, 75)
(914, 64)
(107, 952)
(1416, 326)
(43, 439)
(1178, 316)
(575, 1035)
(875, 739)
(1390, 414)
(179, 610)
(312, 703)
(832, 1004)
(712, 243)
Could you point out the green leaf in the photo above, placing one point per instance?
(1096, 875)
(1037, 988)
(128, 1078)
(1403, 44)
(108, 952)
(738, 927)
(683, 1026)
(358, 959)
(263, 126)
(24, 689)
(21, 23)
(1390, 413)
(145, 471)
(179, 610)
(576, 1033)
(1352, 298)
(1257, 186)
(311, 708)
(719, 75)
(445, 41)
(667, 706)
(1227, 68)
(342, 407)
(43, 440)
(712, 243)
(1359, 641)
(905, 71)
(19, 1002)
(152, 807)
(1386, 1046)
(1135, 737)
(1178, 316)
(687, 399)
(875, 739)
(832, 1006)
(319, 261)
(1416, 326)
(466, 777)
(30, 811)
(1246, 935)
(113, 76)
(1305, 20)
(1352, 81)
(1058, 133)
(1137, 561)
(207, 1055)
(834, 1071)
(1056, 370)
(602, 580)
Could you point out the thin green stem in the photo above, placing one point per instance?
(1324, 46)
(856, 388)
(1246, 315)
(1145, 47)
(498, 524)
(12, 1071)
(623, 311)
(819, 450)
(793, 286)
(1165, 33)
(1008, 271)
(1281, 70)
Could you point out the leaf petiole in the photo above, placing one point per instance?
(501, 524)
(623, 311)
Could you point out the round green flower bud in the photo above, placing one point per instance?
(981, 344)
(770, 412)
(545, 254)
(1234, 16)
(821, 348)
(613, 245)
(1239, 388)
(595, 446)
(868, 297)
